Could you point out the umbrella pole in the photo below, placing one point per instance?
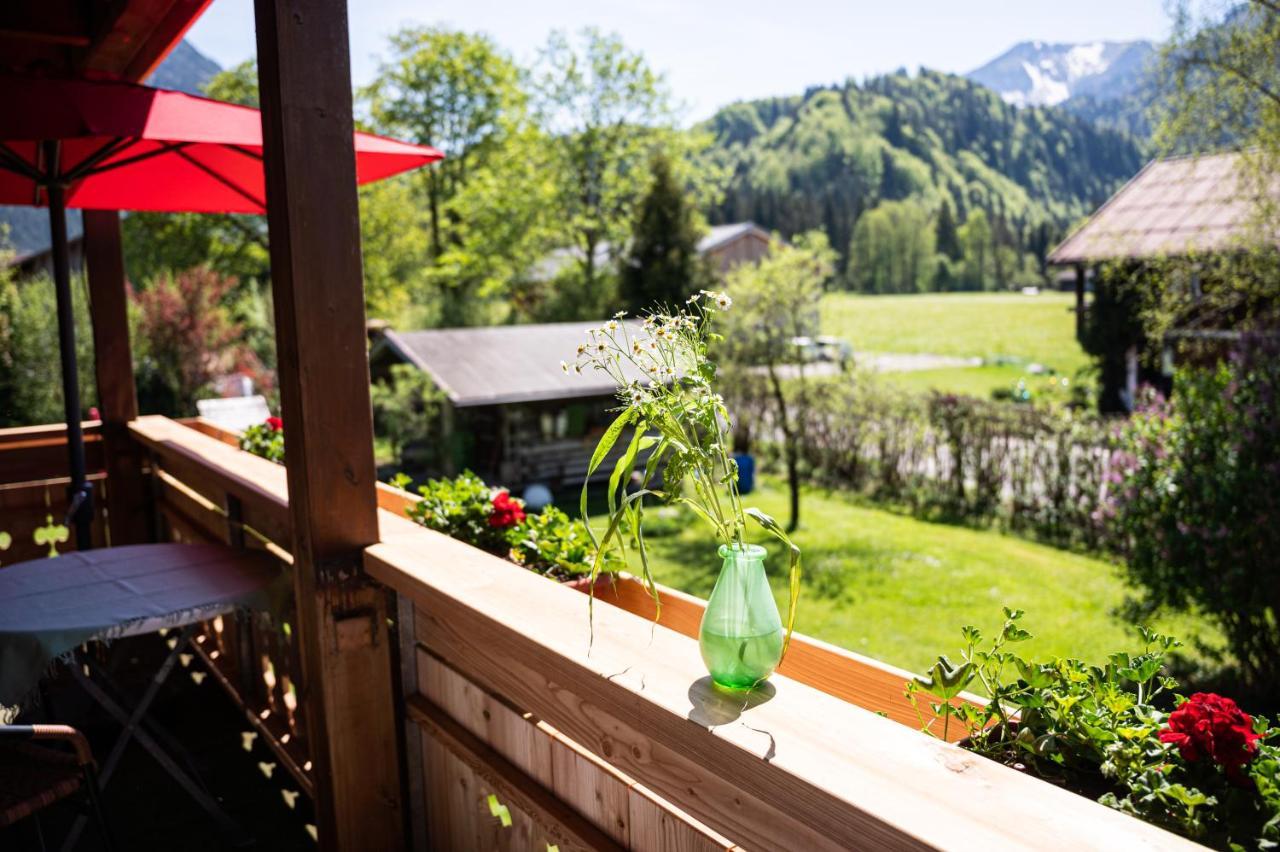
(80, 492)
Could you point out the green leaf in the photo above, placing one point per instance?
(607, 440)
(793, 572)
(945, 679)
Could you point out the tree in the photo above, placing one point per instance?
(30, 366)
(662, 265)
(453, 91)
(946, 238)
(775, 302)
(406, 408)
(975, 238)
(892, 249)
(185, 337)
(485, 203)
(607, 111)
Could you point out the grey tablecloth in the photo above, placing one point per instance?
(49, 606)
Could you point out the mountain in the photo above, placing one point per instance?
(819, 160)
(185, 69)
(26, 229)
(1034, 73)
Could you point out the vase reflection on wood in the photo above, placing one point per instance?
(741, 637)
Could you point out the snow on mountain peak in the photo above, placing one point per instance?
(1036, 73)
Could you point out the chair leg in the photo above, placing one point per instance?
(95, 806)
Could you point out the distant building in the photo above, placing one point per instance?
(24, 231)
(1180, 207)
(725, 246)
(730, 245)
(512, 414)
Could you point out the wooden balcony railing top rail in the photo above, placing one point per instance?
(794, 768)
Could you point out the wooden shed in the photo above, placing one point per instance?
(512, 414)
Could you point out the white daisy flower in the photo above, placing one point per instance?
(723, 301)
(564, 366)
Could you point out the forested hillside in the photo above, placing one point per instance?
(929, 140)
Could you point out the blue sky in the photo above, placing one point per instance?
(717, 51)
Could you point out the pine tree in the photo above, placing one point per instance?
(948, 241)
(662, 265)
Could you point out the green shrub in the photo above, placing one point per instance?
(1035, 469)
(1194, 498)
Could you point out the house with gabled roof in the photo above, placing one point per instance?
(1189, 207)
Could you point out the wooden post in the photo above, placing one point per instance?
(127, 494)
(1079, 300)
(314, 229)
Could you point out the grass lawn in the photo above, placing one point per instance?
(970, 381)
(1039, 328)
(899, 589)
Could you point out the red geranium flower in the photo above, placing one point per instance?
(1213, 727)
(507, 512)
(275, 424)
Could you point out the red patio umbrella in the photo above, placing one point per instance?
(106, 145)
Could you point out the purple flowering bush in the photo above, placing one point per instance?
(1194, 501)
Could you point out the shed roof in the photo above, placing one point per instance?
(1172, 207)
(502, 364)
(719, 235)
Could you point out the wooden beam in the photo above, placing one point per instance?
(127, 493)
(314, 228)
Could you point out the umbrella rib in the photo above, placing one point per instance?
(240, 149)
(165, 148)
(86, 166)
(222, 179)
(10, 160)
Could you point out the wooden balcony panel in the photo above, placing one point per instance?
(33, 487)
(37, 453)
(802, 769)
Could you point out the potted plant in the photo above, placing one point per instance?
(667, 389)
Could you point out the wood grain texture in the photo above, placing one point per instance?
(214, 470)
(864, 681)
(801, 769)
(39, 453)
(126, 498)
(594, 788)
(491, 773)
(313, 222)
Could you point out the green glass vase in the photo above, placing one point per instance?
(741, 633)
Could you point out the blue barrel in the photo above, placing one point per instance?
(746, 472)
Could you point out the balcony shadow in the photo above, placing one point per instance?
(714, 705)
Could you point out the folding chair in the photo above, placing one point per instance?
(33, 777)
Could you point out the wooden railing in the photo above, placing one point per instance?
(528, 727)
(206, 490)
(33, 490)
(626, 729)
